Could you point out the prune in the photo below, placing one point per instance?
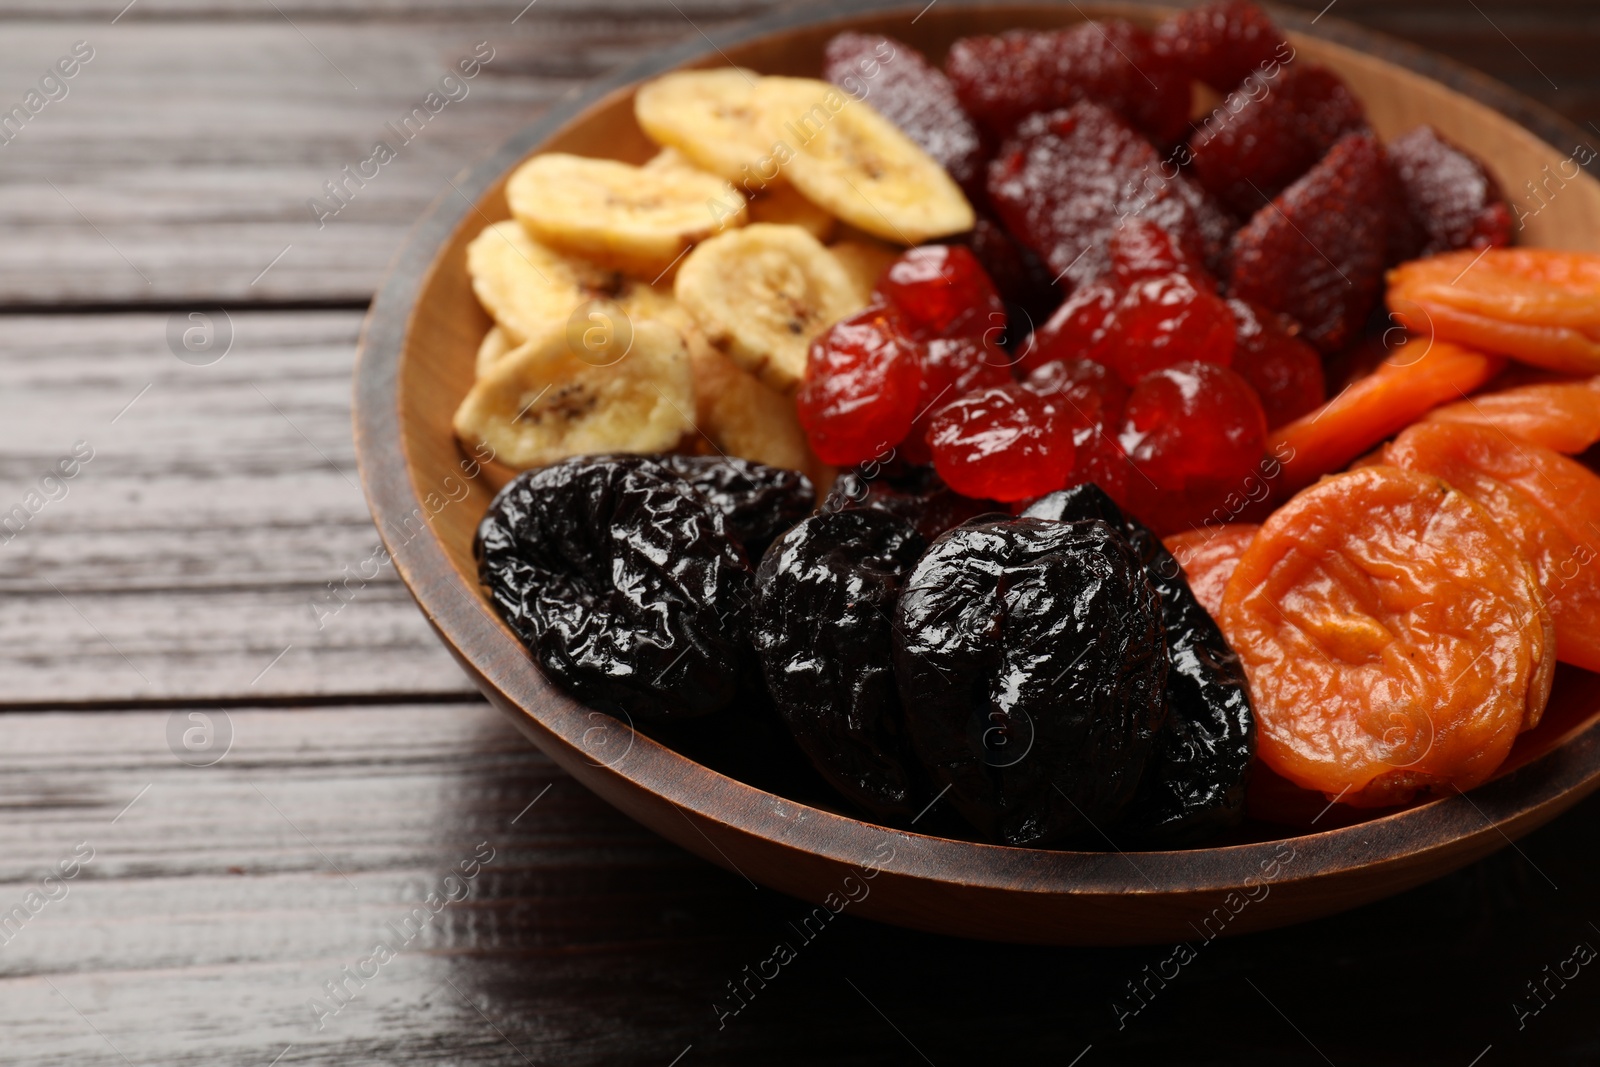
(1007, 442)
(1032, 670)
(1194, 783)
(1220, 44)
(1000, 80)
(1269, 133)
(1449, 197)
(1066, 179)
(860, 390)
(1316, 252)
(825, 597)
(623, 582)
(757, 502)
(916, 495)
(903, 87)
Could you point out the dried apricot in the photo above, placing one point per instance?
(1562, 416)
(1209, 557)
(1393, 637)
(1535, 304)
(1549, 504)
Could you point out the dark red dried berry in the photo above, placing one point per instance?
(1316, 253)
(942, 291)
(1001, 80)
(1077, 330)
(1450, 197)
(1094, 398)
(903, 87)
(951, 368)
(1285, 372)
(1141, 249)
(860, 391)
(1004, 443)
(1269, 132)
(1193, 423)
(1165, 320)
(1222, 43)
(1068, 178)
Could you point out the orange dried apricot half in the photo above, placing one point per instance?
(1564, 416)
(1393, 637)
(1208, 558)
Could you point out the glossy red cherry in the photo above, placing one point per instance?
(1077, 330)
(942, 291)
(1094, 397)
(1193, 422)
(860, 390)
(1285, 372)
(1004, 443)
(1143, 249)
(951, 368)
(1165, 320)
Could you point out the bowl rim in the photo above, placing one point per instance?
(1507, 806)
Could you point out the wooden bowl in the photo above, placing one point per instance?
(427, 496)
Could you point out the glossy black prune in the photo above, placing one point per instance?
(1032, 670)
(623, 582)
(758, 502)
(1195, 782)
(914, 494)
(825, 597)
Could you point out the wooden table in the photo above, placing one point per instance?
(181, 581)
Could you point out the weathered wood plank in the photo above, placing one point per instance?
(198, 541)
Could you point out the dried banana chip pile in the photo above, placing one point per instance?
(670, 306)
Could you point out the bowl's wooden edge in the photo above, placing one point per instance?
(1451, 831)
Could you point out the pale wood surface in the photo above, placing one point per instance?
(192, 544)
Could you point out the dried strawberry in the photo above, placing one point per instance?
(1450, 198)
(900, 83)
(860, 390)
(1316, 252)
(1270, 132)
(1285, 372)
(1193, 424)
(951, 368)
(942, 291)
(1077, 330)
(1005, 443)
(1068, 178)
(1141, 249)
(1222, 43)
(1001, 80)
(1165, 320)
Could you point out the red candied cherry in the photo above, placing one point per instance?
(1077, 330)
(951, 368)
(1094, 398)
(860, 390)
(1003, 443)
(1193, 422)
(1166, 320)
(1285, 372)
(1143, 249)
(942, 291)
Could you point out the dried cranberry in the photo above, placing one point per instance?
(942, 291)
(1449, 197)
(1077, 330)
(1285, 372)
(1141, 249)
(1193, 422)
(1220, 44)
(903, 87)
(1006, 443)
(860, 391)
(951, 368)
(1001, 80)
(1316, 252)
(1165, 320)
(1069, 178)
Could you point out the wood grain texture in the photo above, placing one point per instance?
(200, 540)
(217, 906)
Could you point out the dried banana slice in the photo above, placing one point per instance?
(865, 261)
(710, 116)
(742, 417)
(854, 163)
(762, 293)
(671, 159)
(629, 389)
(496, 343)
(785, 206)
(635, 220)
(530, 289)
